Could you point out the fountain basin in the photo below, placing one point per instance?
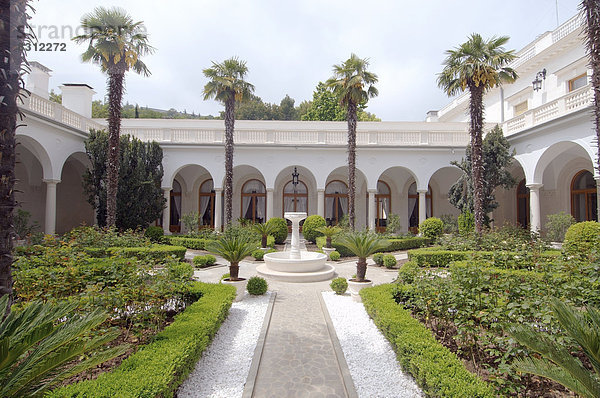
(308, 262)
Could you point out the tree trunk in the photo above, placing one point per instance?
(13, 18)
(476, 131)
(361, 269)
(591, 9)
(328, 242)
(234, 271)
(115, 96)
(351, 162)
(263, 241)
(229, 125)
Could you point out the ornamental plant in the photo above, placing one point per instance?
(233, 249)
(204, 261)
(334, 256)
(264, 230)
(389, 261)
(431, 228)
(280, 229)
(582, 237)
(310, 226)
(329, 231)
(362, 244)
(339, 285)
(257, 286)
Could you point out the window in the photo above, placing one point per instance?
(336, 201)
(578, 82)
(254, 201)
(383, 200)
(297, 200)
(523, 205)
(175, 207)
(206, 204)
(584, 197)
(521, 108)
(413, 207)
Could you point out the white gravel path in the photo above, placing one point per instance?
(370, 357)
(224, 366)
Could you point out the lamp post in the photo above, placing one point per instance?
(539, 77)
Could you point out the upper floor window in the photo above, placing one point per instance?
(521, 108)
(578, 82)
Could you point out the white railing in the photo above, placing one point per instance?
(59, 113)
(569, 103)
(567, 27)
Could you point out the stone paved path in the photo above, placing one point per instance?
(299, 358)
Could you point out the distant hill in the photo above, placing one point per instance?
(129, 111)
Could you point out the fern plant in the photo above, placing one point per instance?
(556, 361)
(39, 343)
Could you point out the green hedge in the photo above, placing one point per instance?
(395, 245)
(190, 243)
(157, 369)
(154, 251)
(433, 257)
(435, 368)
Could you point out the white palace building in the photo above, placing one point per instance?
(402, 167)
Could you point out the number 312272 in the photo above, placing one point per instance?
(49, 46)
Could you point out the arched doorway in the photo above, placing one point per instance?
(523, 205)
(254, 201)
(584, 197)
(413, 207)
(336, 201)
(175, 207)
(383, 203)
(206, 204)
(295, 200)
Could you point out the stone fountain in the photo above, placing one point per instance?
(296, 265)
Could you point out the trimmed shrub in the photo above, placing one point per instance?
(339, 285)
(582, 237)
(154, 233)
(156, 252)
(395, 245)
(431, 228)
(408, 272)
(309, 228)
(334, 256)
(204, 261)
(378, 258)
(190, 243)
(557, 226)
(389, 261)
(466, 223)
(436, 369)
(280, 232)
(160, 367)
(257, 286)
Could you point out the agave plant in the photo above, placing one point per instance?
(264, 230)
(233, 249)
(38, 346)
(329, 232)
(362, 244)
(556, 361)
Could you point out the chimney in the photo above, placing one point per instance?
(37, 80)
(432, 116)
(78, 98)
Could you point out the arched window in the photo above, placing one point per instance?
(413, 207)
(254, 201)
(175, 207)
(336, 201)
(584, 197)
(523, 205)
(206, 204)
(295, 200)
(383, 203)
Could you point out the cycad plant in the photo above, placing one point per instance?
(264, 230)
(38, 346)
(362, 244)
(556, 361)
(329, 231)
(233, 249)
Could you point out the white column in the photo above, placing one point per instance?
(422, 206)
(535, 220)
(321, 202)
(269, 204)
(598, 197)
(50, 221)
(218, 208)
(372, 211)
(166, 219)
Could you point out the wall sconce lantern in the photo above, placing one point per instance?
(295, 179)
(539, 78)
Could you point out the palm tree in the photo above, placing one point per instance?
(477, 65)
(227, 85)
(329, 232)
(556, 361)
(13, 18)
(233, 249)
(39, 344)
(116, 44)
(362, 245)
(591, 10)
(353, 85)
(264, 230)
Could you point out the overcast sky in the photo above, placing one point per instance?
(290, 46)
